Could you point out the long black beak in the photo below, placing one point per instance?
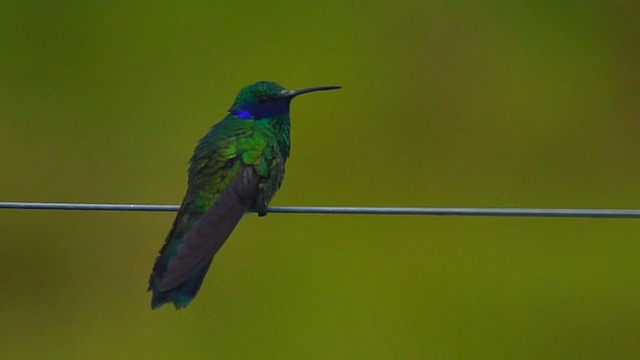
(292, 93)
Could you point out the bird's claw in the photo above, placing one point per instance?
(261, 210)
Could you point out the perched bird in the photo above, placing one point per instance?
(236, 167)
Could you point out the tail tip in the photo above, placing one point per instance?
(179, 300)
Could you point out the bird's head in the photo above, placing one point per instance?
(266, 99)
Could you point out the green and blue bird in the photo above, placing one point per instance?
(235, 168)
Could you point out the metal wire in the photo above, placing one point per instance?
(440, 211)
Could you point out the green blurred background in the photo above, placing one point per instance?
(444, 104)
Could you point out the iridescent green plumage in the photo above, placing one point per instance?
(236, 167)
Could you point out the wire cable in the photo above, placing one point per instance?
(434, 211)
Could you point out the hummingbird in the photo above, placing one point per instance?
(235, 168)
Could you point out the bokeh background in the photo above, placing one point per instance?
(479, 104)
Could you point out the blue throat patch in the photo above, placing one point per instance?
(242, 114)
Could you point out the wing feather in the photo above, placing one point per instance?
(209, 234)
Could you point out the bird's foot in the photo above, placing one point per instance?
(261, 209)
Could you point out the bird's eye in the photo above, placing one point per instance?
(263, 99)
